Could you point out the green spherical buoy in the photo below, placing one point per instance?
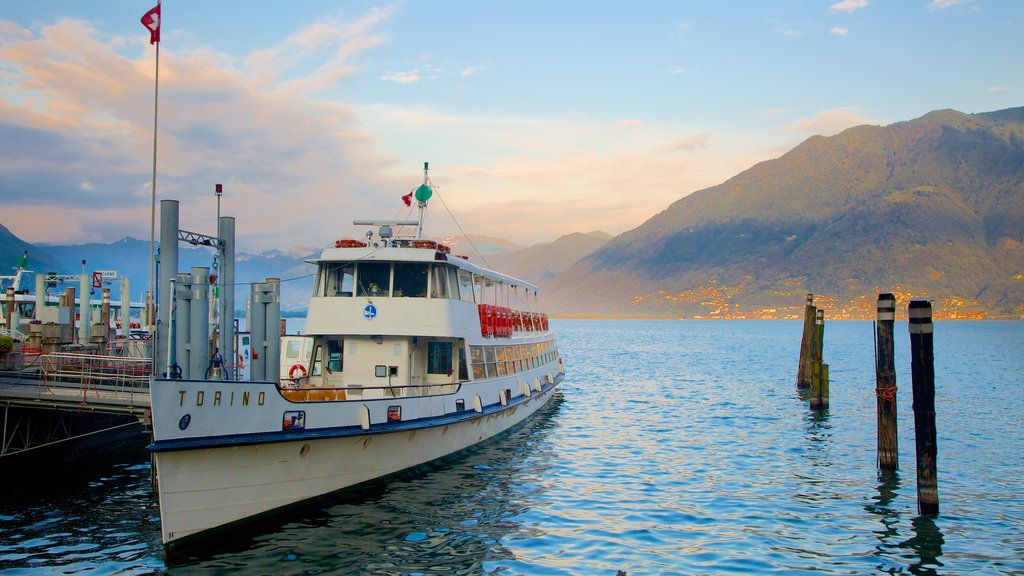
(423, 193)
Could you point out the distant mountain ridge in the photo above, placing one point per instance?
(933, 207)
(130, 257)
(542, 263)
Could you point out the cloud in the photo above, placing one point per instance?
(690, 142)
(76, 120)
(828, 123)
(12, 32)
(531, 178)
(996, 88)
(402, 77)
(677, 70)
(837, 31)
(473, 70)
(848, 6)
(296, 167)
(943, 4)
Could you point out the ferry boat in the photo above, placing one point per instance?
(411, 354)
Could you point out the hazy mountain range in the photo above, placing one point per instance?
(932, 207)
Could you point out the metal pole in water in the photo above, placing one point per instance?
(885, 383)
(922, 367)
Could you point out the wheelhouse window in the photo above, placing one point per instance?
(374, 278)
(411, 279)
(340, 280)
(453, 282)
(439, 358)
(439, 281)
(466, 285)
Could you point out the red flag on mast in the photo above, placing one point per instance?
(151, 20)
(407, 199)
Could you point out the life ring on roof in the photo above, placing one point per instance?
(347, 243)
(297, 368)
(424, 244)
(444, 249)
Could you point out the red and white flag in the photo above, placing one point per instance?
(407, 199)
(151, 20)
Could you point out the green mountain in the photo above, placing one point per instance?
(930, 208)
(13, 248)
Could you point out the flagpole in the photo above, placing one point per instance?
(150, 308)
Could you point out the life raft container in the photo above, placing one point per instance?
(347, 243)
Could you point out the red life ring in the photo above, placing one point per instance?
(424, 244)
(241, 361)
(294, 368)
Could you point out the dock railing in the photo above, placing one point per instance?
(101, 372)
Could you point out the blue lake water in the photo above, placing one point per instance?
(675, 447)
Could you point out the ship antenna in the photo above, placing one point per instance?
(423, 193)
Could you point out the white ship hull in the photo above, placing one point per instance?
(203, 488)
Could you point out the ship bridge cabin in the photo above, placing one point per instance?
(406, 318)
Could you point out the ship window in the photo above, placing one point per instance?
(463, 371)
(466, 286)
(292, 350)
(439, 358)
(478, 288)
(411, 279)
(374, 278)
(491, 366)
(341, 280)
(335, 355)
(318, 361)
(439, 282)
(453, 282)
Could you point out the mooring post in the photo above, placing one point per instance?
(885, 383)
(819, 370)
(923, 373)
(803, 372)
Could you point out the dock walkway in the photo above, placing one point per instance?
(48, 404)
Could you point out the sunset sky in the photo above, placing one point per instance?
(538, 118)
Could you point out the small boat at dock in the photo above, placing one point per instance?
(411, 353)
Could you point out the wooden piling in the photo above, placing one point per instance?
(819, 370)
(922, 370)
(885, 383)
(804, 368)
